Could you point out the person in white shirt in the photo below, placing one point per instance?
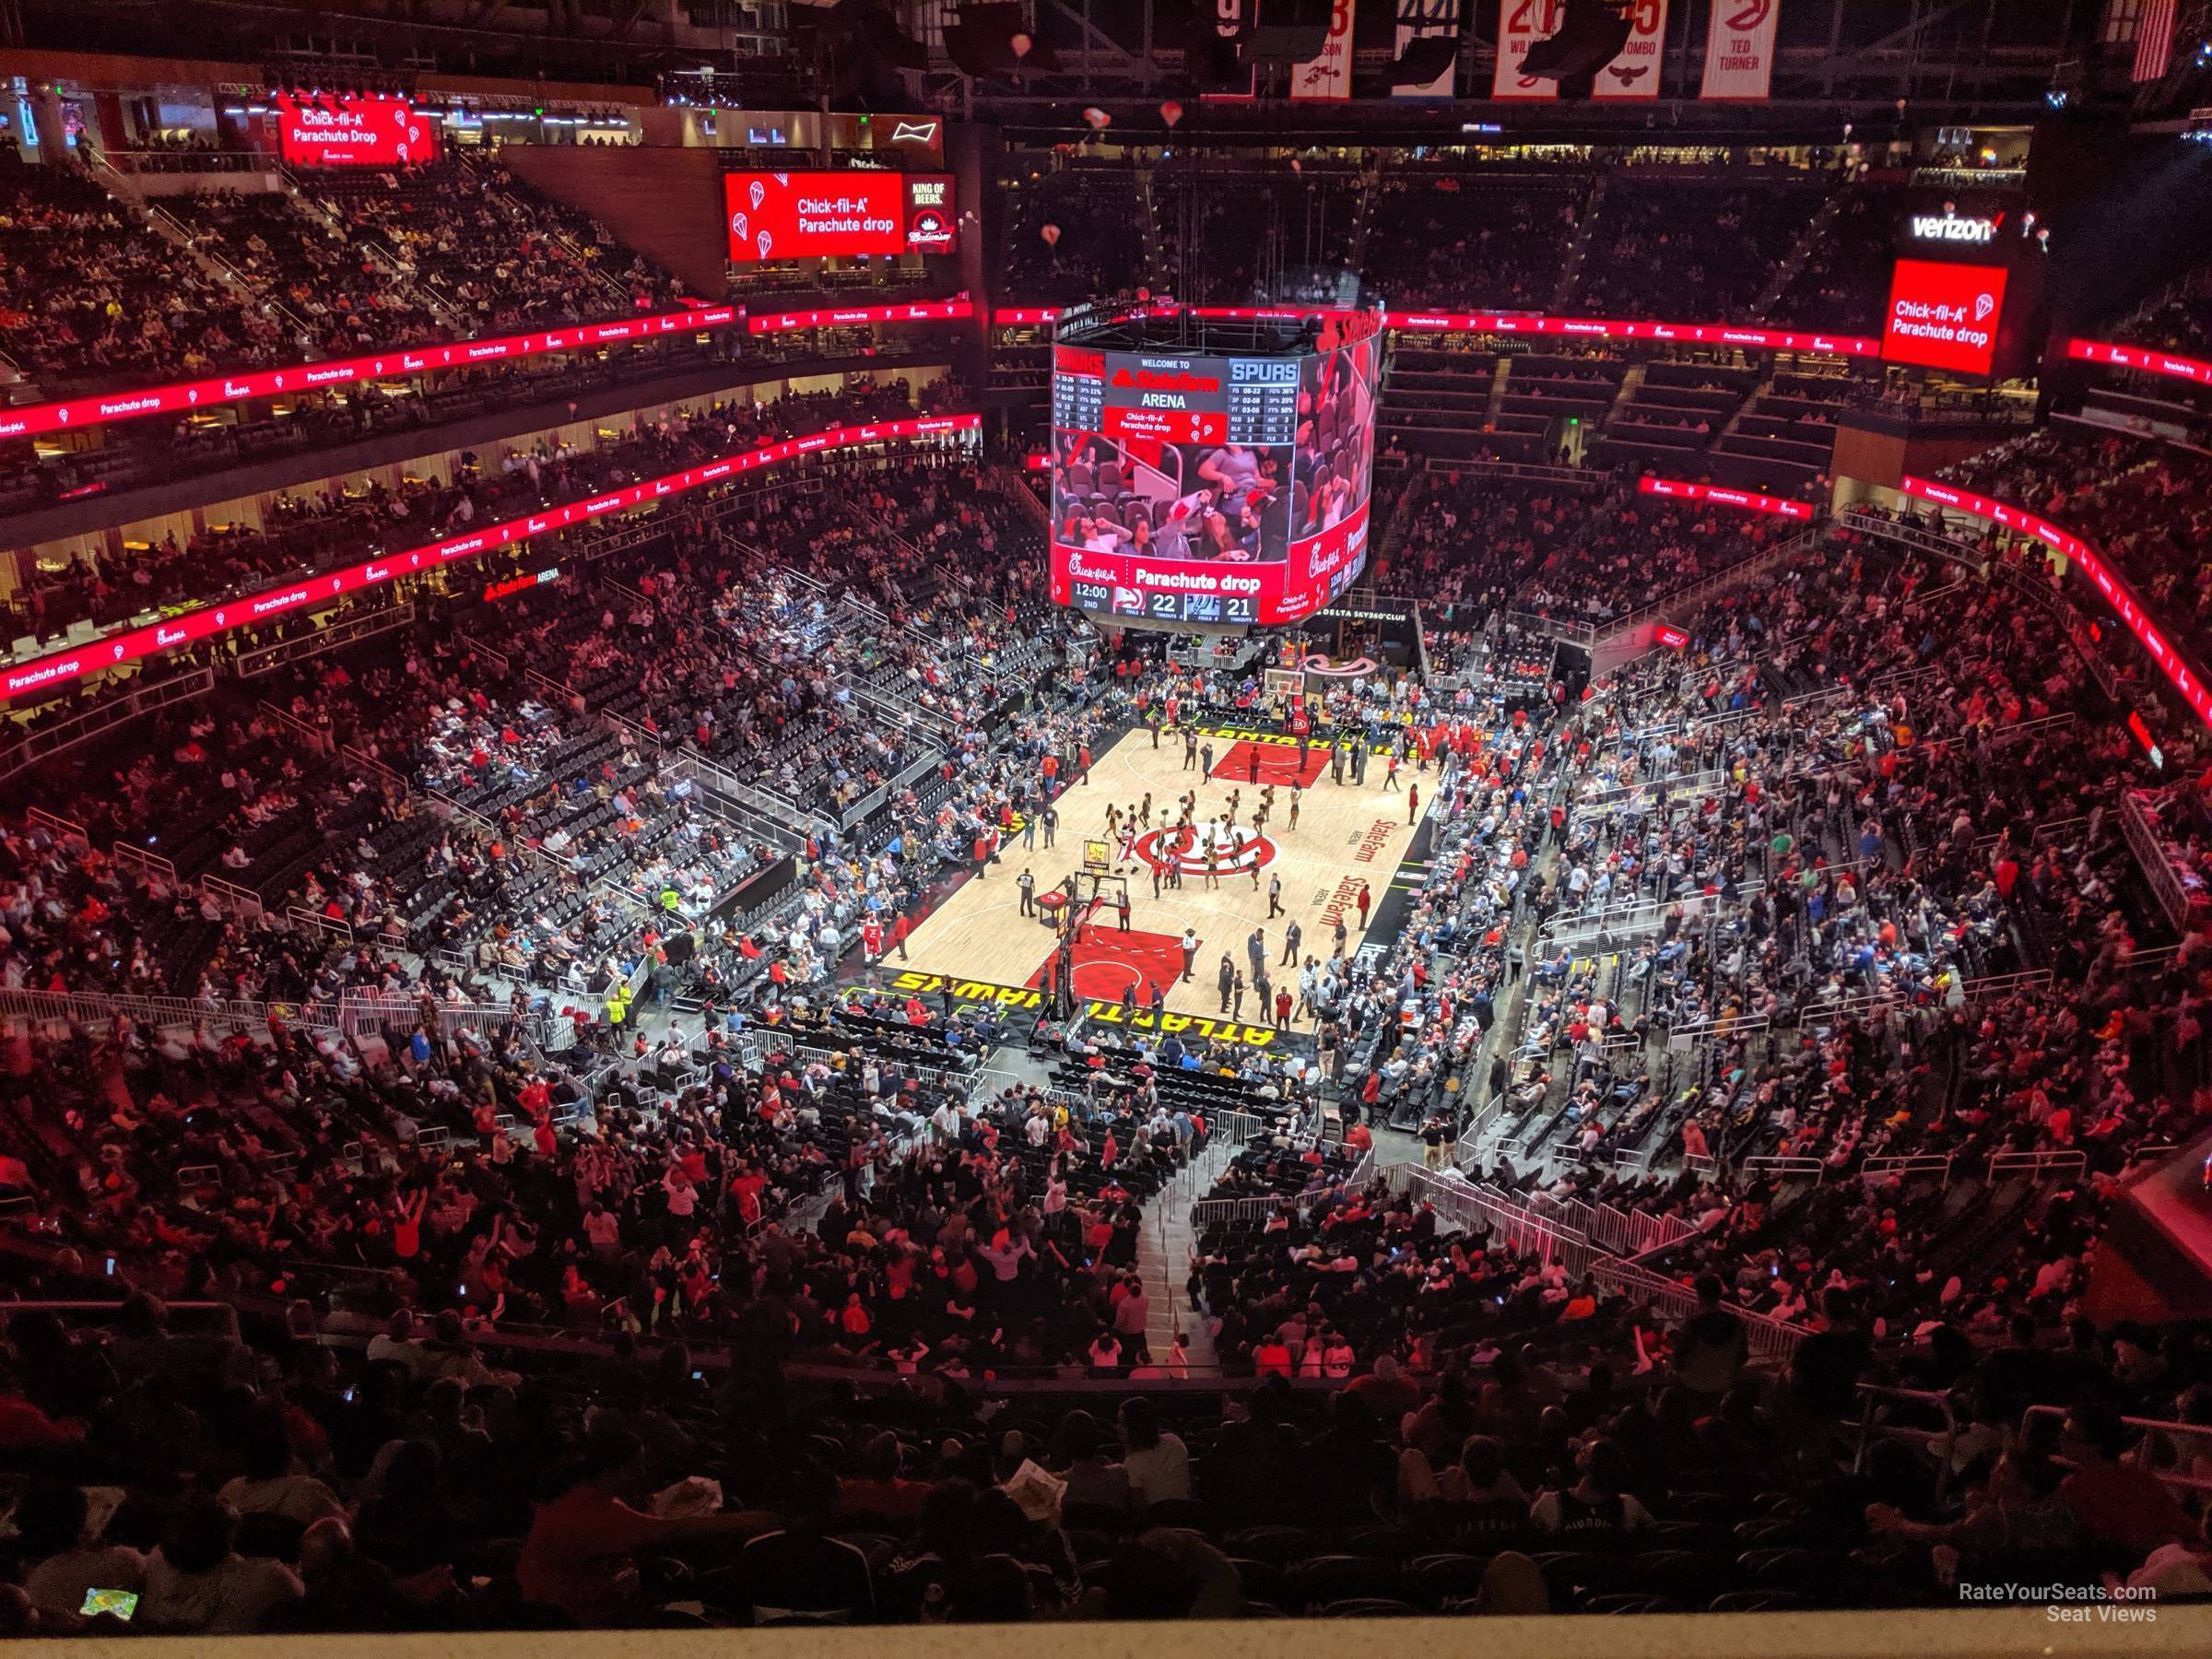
(60, 1548)
(197, 1585)
(1158, 1464)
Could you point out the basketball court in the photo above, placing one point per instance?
(1347, 835)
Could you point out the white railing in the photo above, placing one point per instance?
(348, 631)
(37, 743)
(232, 899)
(61, 828)
(1207, 1211)
(1907, 1168)
(1770, 1340)
(93, 1008)
(303, 919)
(1785, 1169)
(1507, 1221)
(150, 869)
(2038, 1166)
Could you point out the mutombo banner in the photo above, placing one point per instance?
(1739, 50)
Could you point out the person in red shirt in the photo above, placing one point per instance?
(745, 1190)
(579, 1554)
(2119, 1506)
(898, 931)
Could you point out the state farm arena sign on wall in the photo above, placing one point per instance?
(367, 130)
(842, 215)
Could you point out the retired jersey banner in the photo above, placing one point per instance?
(1521, 24)
(1328, 75)
(1635, 69)
(1425, 20)
(1633, 72)
(1739, 50)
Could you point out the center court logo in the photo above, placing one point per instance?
(1238, 852)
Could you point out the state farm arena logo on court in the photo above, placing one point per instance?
(1238, 852)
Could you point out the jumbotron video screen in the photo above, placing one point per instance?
(1211, 489)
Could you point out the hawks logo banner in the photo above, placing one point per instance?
(1632, 74)
(1634, 71)
(1739, 50)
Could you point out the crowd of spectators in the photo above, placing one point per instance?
(1688, 249)
(522, 1227)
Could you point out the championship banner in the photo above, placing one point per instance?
(1633, 72)
(1329, 75)
(1739, 50)
(1427, 20)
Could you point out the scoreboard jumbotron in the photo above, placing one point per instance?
(1211, 469)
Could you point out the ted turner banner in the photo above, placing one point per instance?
(1739, 50)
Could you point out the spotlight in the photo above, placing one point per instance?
(2056, 98)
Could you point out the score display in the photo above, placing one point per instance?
(1210, 490)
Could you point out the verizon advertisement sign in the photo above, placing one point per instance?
(28, 420)
(45, 673)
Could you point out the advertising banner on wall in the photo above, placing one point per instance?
(373, 129)
(1943, 316)
(858, 212)
(1739, 50)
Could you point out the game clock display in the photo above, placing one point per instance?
(1228, 491)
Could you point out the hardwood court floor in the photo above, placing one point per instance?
(1344, 835)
